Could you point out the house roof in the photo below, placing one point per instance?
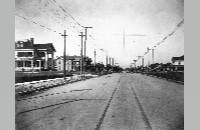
(70, 57)
(178, 58)
(48, 46)
(29, 45)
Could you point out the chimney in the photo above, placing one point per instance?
(32, 41)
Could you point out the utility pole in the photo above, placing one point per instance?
(148, 55)
(81, 62)
(152, 56)
(112, 61)
(64, 56)
(139, 57)
(106, 55)
(106, 59)
(143, 62)
(85, 40)
(95, 57)
(135, 62)
(85, 48)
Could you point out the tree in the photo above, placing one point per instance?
(108, 67)
(117, 69)
(87, 62)
(99, 67)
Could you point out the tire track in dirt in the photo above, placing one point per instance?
(144, 116)
(106, 108)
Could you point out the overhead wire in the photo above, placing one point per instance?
(43, 26)
(57, 14)
(164, 39)
(34, 22)
(68, 14)
(44, 11)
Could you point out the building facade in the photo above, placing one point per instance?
(72, 63)
(178, 63)
(178, 60)
(30, 56)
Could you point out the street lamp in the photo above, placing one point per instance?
(106, 55)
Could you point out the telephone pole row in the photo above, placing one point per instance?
(81, 52)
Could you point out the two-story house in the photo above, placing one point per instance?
(30, 56)
(178, 63)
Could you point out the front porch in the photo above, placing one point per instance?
(29, 65)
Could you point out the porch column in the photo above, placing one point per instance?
(32, 64)
(72, 65)
(46, 60)
(40, 63)
(67, 65)
(52, 60)
(23, 63)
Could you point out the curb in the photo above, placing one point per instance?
(37, 89)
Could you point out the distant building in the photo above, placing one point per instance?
(30, 56)
(178, 60)
(178, 63)
(72, 63)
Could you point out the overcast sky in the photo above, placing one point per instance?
(146, 23)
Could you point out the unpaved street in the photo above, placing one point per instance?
(119, 101)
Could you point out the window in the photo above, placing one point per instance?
(19, 63)
(36, 64)
(19, 45)
(179, 62)
(42, 64)
(25, 54)
(27, 63)
(41, 54)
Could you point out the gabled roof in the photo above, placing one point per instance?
(70, 57)
(48, 46)
(28, 45)
(178, 58)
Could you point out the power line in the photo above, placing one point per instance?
(67, 13)
(58, 15)
(37, 24)
(54, 12)
(47, 14)
(44, 11)
(164, 39)
(40, 25)
(170, 34)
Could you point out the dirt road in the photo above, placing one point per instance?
(118, 101)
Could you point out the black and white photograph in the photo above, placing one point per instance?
(99, 64)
